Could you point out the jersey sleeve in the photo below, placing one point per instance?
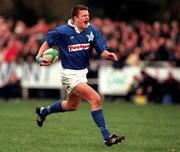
(51, 37)
(99, 42)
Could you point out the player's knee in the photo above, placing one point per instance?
(72, 107)
(96, 101)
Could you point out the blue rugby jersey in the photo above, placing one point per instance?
(76, 48)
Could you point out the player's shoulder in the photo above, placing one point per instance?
(63, 29)
(92, 27)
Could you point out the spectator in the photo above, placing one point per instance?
(132, 91)
(134, 57)
(12, 88)
(150, 87)
(11, 51)
(169, 90)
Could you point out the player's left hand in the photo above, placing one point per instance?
(113, 56)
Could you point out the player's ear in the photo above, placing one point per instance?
(75, 18)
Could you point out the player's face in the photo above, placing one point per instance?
(82, 20)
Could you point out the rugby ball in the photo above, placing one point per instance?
(51, 54)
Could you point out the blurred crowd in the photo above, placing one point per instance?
(18, 42)
(138, 41)
(147, 88)
(133, 42)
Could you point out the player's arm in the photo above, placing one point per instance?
(100, 46)
(51, 40)
(43, 48)
(39, 59)
(109, 56)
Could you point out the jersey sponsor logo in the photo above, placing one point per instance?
(78, 47)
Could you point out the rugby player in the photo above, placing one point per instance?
(75, 41)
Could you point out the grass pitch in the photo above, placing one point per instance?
(150, 128)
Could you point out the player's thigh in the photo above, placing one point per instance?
(86, 92)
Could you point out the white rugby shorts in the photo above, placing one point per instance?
(70, 78)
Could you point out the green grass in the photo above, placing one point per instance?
(151, 128)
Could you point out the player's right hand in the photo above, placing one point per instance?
(38, 59)
(42, 61)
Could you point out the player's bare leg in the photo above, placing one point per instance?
(84, 91)
(70, 104)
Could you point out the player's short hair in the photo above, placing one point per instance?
(75, 10)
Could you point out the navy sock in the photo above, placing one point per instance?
(100, 122)
(54, 108)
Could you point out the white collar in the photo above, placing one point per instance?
(71, 23)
